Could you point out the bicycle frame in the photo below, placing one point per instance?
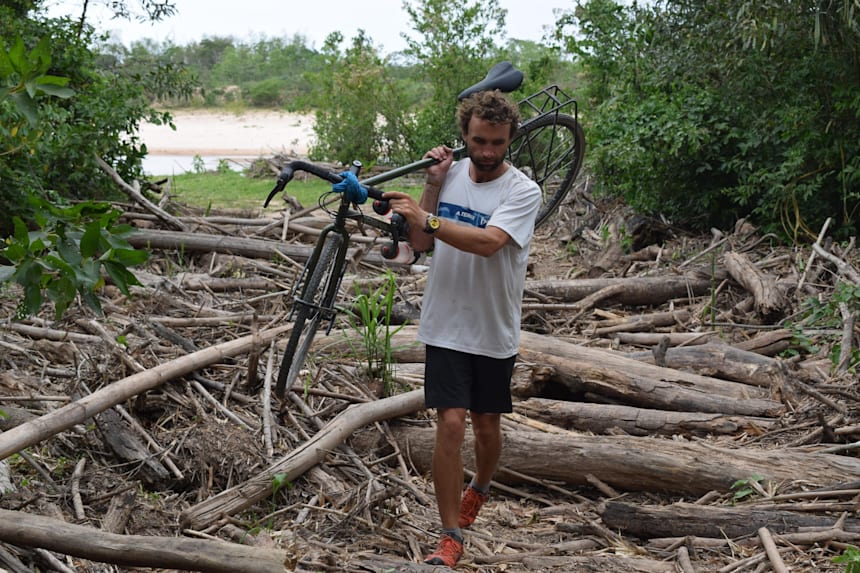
(345, 212)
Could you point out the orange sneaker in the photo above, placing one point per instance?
(471, 505)
(447, 553)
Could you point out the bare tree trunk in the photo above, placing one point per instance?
(682, 519)
(611, 375)
(724, 361)
(601, 418)
(214, 556)
(638, 291)
(769, 300)
(637, 464)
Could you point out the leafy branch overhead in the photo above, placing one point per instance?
(26, 77)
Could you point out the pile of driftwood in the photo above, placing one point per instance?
(679, 408)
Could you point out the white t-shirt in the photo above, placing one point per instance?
(472, 303)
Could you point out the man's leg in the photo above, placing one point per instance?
(448, 464)
(487, 429)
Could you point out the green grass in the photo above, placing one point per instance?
(226, 189)
(233, 190)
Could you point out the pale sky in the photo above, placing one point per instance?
(382, 20)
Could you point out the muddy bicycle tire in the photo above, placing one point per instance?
(550, 150)
(317, 295)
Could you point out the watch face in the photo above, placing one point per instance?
(434, 222)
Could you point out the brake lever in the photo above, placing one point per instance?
(285, 177)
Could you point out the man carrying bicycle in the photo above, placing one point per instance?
(477, 215)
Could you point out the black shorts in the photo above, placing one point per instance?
(454, 379)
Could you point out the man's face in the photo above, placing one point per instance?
(487, 143)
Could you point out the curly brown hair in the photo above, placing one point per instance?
(492, 106)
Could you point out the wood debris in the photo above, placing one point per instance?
(677, 409)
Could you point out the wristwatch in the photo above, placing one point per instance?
(432, 224)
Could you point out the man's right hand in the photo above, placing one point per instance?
(444, 156)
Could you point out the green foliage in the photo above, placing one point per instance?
(67, 254)
(267, 93)
(359, 110)
(269, 72)
(101, 120)
(279, 482)
(370, 317)
(743, 488)
(851, 558)
(454, 48)
(825, 314)
(706, 112)
(29, 69)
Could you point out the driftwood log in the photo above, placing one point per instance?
(770, 302)
(634, 291)
(213, 556)
(723, 361)
(604, 418)
(680, 519)
(584, 370)
(639, 464)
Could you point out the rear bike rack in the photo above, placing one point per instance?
(551, 99)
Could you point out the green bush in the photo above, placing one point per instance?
(101, 120)
(66, 255)
(267, 93)
(711, 111)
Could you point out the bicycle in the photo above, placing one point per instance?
(549, 147)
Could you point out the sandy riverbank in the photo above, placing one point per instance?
(227, 134)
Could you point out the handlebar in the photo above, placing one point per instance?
(380, 205)
(290, 168)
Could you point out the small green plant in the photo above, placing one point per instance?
(743, 488)
(280, 482)
(66, 254)
(223, 166)
(198, 165)
(626, 240)
(851, 558)
(605, 234)
(825, 314)
(370, 317)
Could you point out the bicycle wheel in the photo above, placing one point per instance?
(313, 306)
(550, 150)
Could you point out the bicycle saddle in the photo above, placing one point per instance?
(503, 77)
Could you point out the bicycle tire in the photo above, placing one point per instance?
(550, 150)
(318, 293)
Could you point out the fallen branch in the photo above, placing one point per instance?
(138, 197)
(213, 556)
(34, 431)
(303, 458)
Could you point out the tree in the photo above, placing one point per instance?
(360, 112)
(60, 251)
(710, 111)
(456, 43)
(102, 119)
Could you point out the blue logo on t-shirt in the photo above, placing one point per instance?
(462, 214)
